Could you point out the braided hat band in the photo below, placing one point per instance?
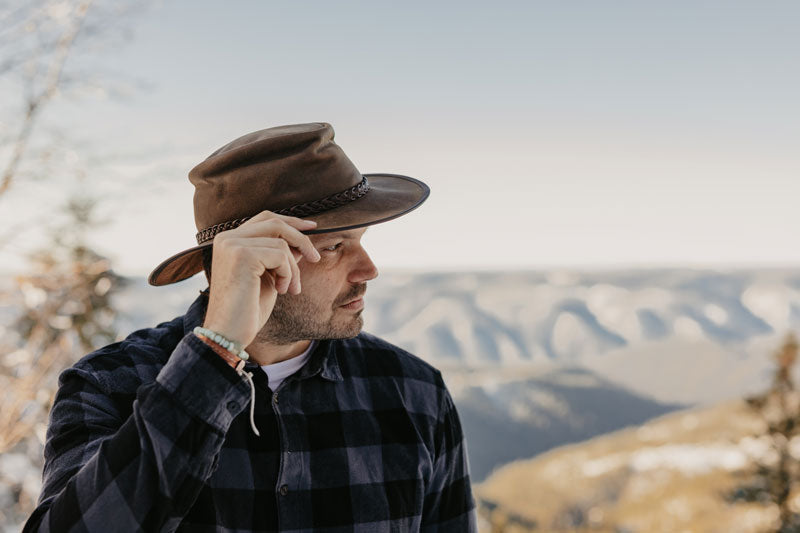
(300, 210)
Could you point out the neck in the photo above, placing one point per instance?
(265, 353)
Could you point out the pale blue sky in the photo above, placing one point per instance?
(551, 133)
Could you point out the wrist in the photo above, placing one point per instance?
(229, 344)
(230, 329)
(232, 352)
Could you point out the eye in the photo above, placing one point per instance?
(332, 248)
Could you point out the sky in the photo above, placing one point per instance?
(552, 134)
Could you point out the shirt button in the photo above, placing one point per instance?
(284, 490)
(233, 406)
(275, 398)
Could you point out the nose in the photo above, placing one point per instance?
(363, 268)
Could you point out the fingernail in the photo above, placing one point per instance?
(310, 222)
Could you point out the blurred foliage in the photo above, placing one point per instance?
(774, 481)
(59, 308)
(59, 311)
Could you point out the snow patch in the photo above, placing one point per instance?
(570, 335)
(687, 328)
(716, 314)
(772, 302)
(690, 459)
(603, 465)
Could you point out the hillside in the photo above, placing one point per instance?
(668, 475)
(520, 415)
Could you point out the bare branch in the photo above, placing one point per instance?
(37, 102)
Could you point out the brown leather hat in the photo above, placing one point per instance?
(293, 170)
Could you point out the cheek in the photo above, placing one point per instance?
(317, 283)
(307, 268)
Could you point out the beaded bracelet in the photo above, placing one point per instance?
(234, 362)
(232, 346)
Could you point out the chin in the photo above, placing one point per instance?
(352, 330)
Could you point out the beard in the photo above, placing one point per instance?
(299, 317)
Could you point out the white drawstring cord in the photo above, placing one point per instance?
(249, 377)
(225, 351)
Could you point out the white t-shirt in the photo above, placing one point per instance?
(277, 372)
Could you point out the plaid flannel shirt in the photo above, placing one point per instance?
(153, 434)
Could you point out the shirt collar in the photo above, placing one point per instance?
(323, 360)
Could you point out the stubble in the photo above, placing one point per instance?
(296, 317)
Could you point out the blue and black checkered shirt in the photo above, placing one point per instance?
(153, 434)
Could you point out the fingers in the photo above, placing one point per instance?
(268, 254)
(285, 228)
(284, 270)
(250, 264)
(283, 283)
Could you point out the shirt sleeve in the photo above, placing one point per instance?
(449, 504)
(144, 472)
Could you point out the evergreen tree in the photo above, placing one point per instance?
(774, 479)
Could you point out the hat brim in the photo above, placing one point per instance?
(390, 196)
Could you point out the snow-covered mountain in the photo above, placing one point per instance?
(676, 335)
(571, 316)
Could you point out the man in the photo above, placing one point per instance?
(314, 425)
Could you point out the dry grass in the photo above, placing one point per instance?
(615, 480)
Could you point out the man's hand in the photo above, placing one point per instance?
(251, 265)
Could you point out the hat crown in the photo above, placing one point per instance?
(292, 170)
(273, 169)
